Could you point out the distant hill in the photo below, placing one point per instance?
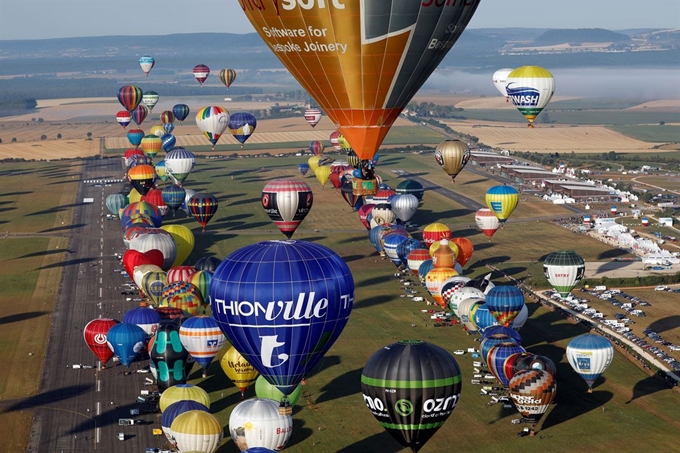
(552, 37)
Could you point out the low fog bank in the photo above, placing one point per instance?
(645, 84)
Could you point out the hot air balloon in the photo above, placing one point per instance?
(242, 125)
(201, 280)
(142, 177)
(465, 249)
(181, 111)
(483, 319)
(126, 341)
(212, 121)
(264, 389)
(181, 274)
(201, 73)
(123, 117)
(349, 196)
(129, 97)
(310, 280)
(157, 129)
(168, 142)
(504, 303)
(502, 200)
(412, 187)
(169, 356)
(322, 174)
(202, 338)
(466, 312)
(167, 117)
(144, 317)
(183, 392)
(155, 238)
(530, 89)
(95, 337)
(335, 140)
(173, 196)
(313, 116)
(382, 214)
(487, 221)
(178, 164)
(528, 361)
(416, 258)
(532, 391)
(208, 263)
(498, 356)
(391, 242)
(489, 341)
(411, 388)
(238, 370)
(404, 206)
(150, 99)
(139, 114)
(135, 136)
(133, 152)
(227, 76)
(503, 331)
(590, 355)
(184, 239)
(153, 284)
(378, 35)
(151, 144)
(115, 202)
(203, 207)
(197, 431)
(462, 294)
(500, 80)
(257, 423)
(287, 202)
(435, 232)
(146, 63)
(142, 207)
(174, 410)
(133, 259)
(303, 169)
(316, 147)
(452, 156)
(564, 270)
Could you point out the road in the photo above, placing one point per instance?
(73, 411)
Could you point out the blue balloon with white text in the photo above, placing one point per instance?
(282, 304)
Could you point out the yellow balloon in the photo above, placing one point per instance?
(452, 245)
(183, 392)
(134, 196)
(502, 200)
(322, 174)
(184, 240)
(313, 163)
(238, 369)
(157, 130)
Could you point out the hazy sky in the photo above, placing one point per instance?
(39, 19)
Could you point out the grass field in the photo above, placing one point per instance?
(332, 416)
(650, 133)
(35, 201)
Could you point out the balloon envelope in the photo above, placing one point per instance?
(564, 270)
(312, 283)
(242, 125)
(238, 369)
(256, 422)
(197, 430)
(452, 156)
(590, 355)
(126, 341)
(202, 338)
(287, 202)
(532, 391)
(411, 388)
(182, 392)
(502, 200)
(530, 88)
(387, 53)
(94, 334)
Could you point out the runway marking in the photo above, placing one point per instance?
(97, 435)
(99, 389)
(100, 293)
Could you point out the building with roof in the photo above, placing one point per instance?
(584, 193)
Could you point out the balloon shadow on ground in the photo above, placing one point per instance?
(7, 209)
(67, 263)
(346, 384)
(42, 253)
(514, 270)
(665, 324)
(475, 181)
(22, 316)
(374, 281)
(373, 301)
(572, 403)
(611, 253)
(246, 201)
(647, 386)
(382, 442)
(350, 258)
(48, 397)
(63, 228)
(465, 232)
(484, 245)
(326, 361)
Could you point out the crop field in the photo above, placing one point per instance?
(332, 417)
(651, 133)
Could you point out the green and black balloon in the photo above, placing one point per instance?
(411, 387)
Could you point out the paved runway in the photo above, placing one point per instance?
(74, 410)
